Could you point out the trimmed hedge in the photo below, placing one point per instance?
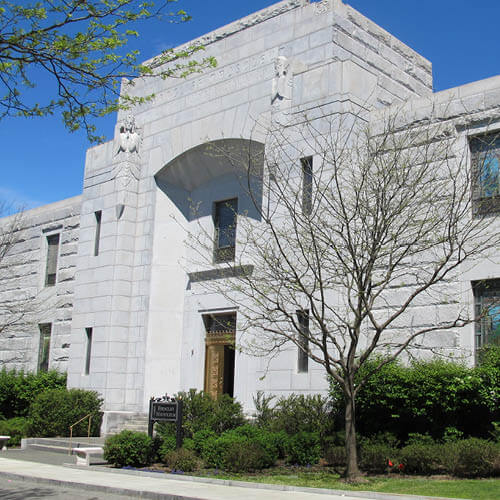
(53, 411)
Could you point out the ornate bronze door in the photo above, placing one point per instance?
(219, 354)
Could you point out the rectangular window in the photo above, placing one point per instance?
(52, 254)
(88, 350)
(98, 216)
(303, 341)
(487, 305)
(225, 218)
(307, 184)
(485, 154)
(44, 346)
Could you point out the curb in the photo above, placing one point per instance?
(221, 482)
(94, 488)
(373, 495)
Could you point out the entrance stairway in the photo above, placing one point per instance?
(137, 422)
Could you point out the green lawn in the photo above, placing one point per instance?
(475, 489)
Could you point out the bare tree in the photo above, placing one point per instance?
(363, 230)
(13, 305)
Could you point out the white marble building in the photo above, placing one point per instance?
(114, 302)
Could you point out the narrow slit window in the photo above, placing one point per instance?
(307, 184)
(52, 254)
(225, 230)
(88, 351)
(44, 346)
(303, 341)
(98, 217)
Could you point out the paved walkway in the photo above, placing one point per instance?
(165, 486)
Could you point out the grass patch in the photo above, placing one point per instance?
(475, 489)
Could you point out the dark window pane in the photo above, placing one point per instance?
(88, 354)
(98, 216)
(307, 184)
(485, 151)
(52, 254)
(225, 229)
(303, 341)
(44, 347)
(487, 302)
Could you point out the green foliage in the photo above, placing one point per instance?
(428, 397)
(181, 460)
(19, 389)
(471, 458)
(295, 413)
(17, 428)
(53, 411)
(202, 437)
(128, 448)
(304, 448)
(244, 456)
(416, 438)
(202, 412)
(80, 46)
(421, 458)
(375, 457)
(168, 444)
(335, 456)
(228, 450)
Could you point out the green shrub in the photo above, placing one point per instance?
(244, 456)
(420, 458)
(202, 412)
(18, 389)
(471, 458)
(215, 449)
(228, 450)
(416, 438)
(168, 444)
(202, 437)
(304, 448)
(375, 457)
(427, 396)
(128, 448)
(181, 460)
(335, 456)
(17, 428)
(53, 411)
(295, 413)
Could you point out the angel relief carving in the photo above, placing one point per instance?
(129, 140)
(282, 82)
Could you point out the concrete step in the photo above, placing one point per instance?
(60, 445)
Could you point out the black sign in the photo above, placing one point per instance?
(163, 411)
(166, 410)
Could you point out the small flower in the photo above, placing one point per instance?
(390, 463)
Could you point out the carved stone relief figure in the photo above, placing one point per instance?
(282, 81)
(126, 170)
(129, 137)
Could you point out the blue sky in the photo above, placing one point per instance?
(41, 162)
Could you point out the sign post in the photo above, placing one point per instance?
(166, 410)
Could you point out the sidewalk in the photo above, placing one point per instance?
(165, 486)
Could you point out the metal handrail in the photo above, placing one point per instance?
(89, 416)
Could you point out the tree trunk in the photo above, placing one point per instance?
(352, 473)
